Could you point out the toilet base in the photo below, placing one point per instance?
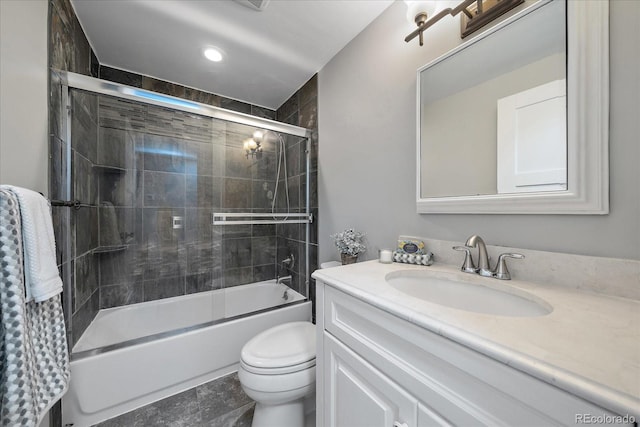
(290, 414)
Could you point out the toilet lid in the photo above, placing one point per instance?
(288, 344)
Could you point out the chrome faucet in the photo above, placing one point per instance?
(501, 272)
(483, 258)
(287, 264)
(467, 266)
(279, 280)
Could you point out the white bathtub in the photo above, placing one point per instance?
(158, 361)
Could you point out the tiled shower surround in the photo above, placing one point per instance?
(139, 167)
(301, 110)
(152, 181)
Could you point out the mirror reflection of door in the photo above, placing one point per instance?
(532, 134)
(459, 98)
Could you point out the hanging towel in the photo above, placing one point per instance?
(34, 362)
(41, 273)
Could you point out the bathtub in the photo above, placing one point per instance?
(133, 355)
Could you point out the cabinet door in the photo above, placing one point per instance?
(429, 418)
(358, 395)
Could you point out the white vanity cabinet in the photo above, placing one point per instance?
(377, 369)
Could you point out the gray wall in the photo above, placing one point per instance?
(23, 84)
(367, 161)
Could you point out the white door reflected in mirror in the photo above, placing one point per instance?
(532, 135)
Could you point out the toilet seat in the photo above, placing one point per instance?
(283, 349)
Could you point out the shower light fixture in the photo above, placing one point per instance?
(252, 147)
(477, 13)
(258, 136)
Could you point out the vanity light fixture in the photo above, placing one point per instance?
(477, 13)
(252, 146)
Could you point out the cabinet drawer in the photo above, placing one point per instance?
(462, 385)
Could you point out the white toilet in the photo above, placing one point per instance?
(278, 371)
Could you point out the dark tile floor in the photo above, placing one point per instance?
(219, 403)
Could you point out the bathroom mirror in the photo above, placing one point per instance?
(515, 120)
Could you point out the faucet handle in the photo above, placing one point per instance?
(467, 266)
(502, 272)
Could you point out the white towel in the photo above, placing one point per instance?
(34, 358)
(42, 280)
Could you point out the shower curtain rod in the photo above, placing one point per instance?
(104, 87)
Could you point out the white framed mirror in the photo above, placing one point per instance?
(524, 132)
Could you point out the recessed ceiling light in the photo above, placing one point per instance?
(213, 54)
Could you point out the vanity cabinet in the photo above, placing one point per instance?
(377, 369)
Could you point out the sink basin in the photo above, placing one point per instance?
(496, 299)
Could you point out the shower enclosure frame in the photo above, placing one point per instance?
(69, 80)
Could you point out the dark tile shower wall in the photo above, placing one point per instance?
(248, 251)
(158, 164)
(137, 167)
(300, 110)
(167, 173)
(74, 229)
(69, 49)
(84, 134)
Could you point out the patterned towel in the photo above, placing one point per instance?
(41, 277)
(34, 362)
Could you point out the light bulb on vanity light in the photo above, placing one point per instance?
(418, 11)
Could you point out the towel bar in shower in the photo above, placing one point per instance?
(241, 218)
(70, 204)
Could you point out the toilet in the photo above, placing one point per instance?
(278, 371)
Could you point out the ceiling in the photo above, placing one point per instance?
(268, 54)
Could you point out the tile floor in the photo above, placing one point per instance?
(219, 403)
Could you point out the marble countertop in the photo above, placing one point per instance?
(589, 345)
